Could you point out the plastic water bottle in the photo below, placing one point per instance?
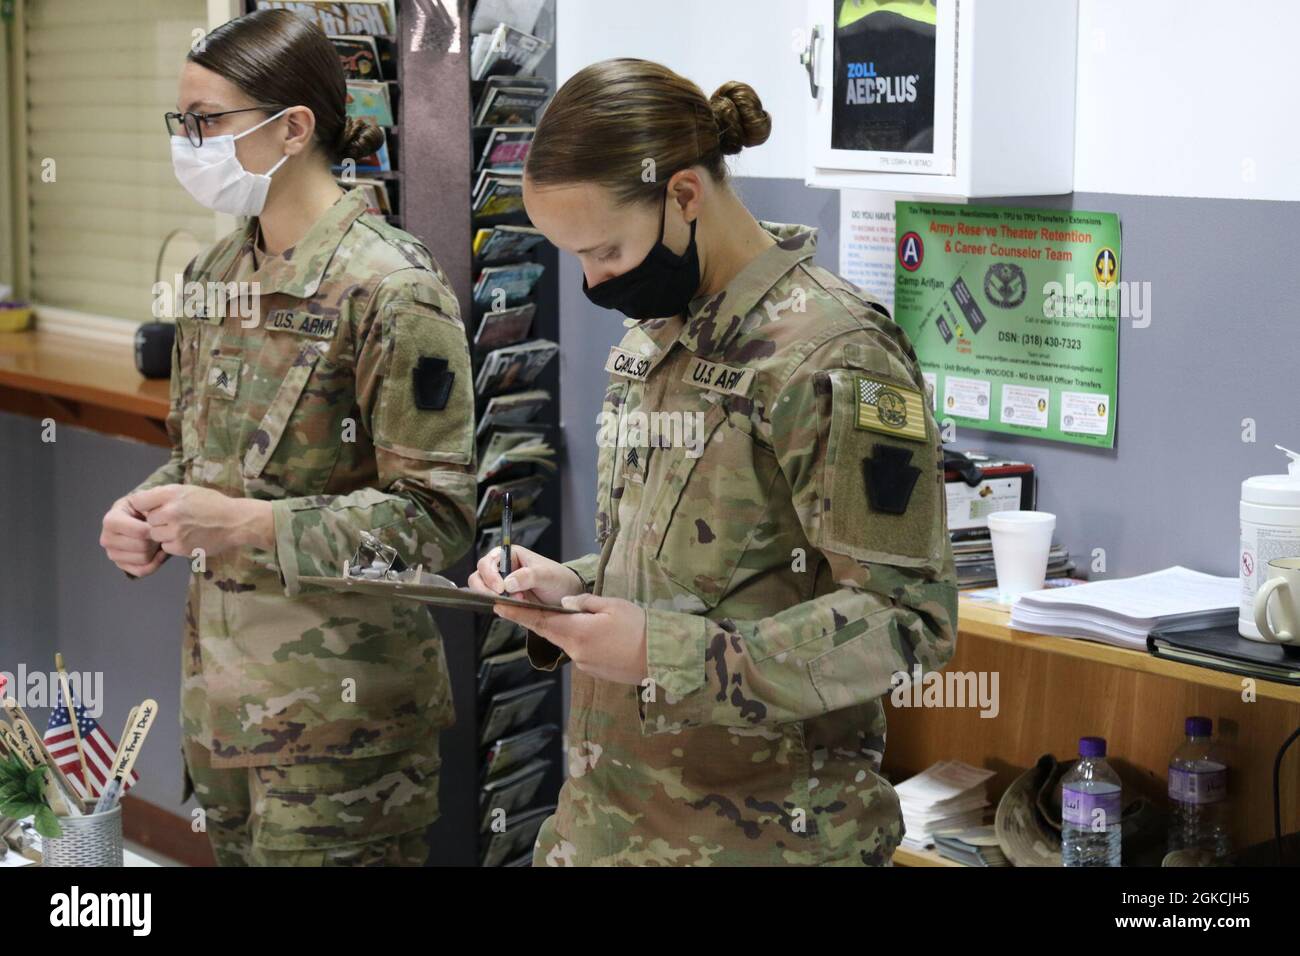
(1198, 793)
(1091, 809)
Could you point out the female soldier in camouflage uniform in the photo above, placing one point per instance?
(342, 403)
(770, 510)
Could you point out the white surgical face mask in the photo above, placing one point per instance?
(213, 175)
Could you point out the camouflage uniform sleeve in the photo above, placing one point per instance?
(585, 568)
(870, 499)
(415, 394)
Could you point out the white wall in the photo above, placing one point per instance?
(710, 42)
(1175, 97)
(1188, 98)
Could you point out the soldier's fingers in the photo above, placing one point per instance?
(521, 579)
(489, 570)
(119, 522)
(127, 545)
(523, 557)
(164, 533)
(175, 546)
(140, 570)
(157, 561)
(146, 501)
(539, 622)
(566, 631)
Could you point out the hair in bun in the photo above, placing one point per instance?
(280, 59)
(630, 125)
(740, 116)
(358, 138)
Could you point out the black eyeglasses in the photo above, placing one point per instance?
(191, 124)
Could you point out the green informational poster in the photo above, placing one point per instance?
(1014, 314)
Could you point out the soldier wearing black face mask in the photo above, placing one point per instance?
(663, 284)
(764, 571)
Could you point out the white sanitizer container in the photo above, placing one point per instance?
(1270, 528)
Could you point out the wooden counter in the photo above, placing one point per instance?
(1053, 690)
(81, 382)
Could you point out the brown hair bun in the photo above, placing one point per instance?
(741, 119)
(359, 138)
(612, 118)
(279, 59)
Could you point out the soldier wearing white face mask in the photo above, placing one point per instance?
(211, 171)
(344, 405)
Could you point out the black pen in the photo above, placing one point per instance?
(506, 518)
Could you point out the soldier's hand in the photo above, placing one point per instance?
(534, 577)
(607, 640)
(124, 536)
(183, 518)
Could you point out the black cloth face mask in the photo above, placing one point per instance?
(662, 285)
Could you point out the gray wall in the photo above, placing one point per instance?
(60, 593)
(1221, 347)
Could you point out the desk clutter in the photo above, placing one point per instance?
(1176, 613)
(61, 791)
(976, 486)
(1076, 813)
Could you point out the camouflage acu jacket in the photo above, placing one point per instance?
(791, 548)
(346, 400)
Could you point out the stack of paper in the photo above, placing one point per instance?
(973, 846)
(949, 795)
(1124, 611)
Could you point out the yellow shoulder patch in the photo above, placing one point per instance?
(890, 408)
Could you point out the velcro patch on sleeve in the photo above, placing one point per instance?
(433, 381)
(890, 477)
(889, 408)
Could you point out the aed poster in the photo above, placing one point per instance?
(1014, 315)
(894, 82)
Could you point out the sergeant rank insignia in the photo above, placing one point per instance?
(889, 408)
(223, 377)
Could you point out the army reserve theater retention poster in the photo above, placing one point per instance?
(1014, 314)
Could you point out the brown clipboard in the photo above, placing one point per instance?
(432, 589)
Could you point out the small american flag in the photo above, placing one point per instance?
(97, 746)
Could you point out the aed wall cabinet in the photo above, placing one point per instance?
(969, 98)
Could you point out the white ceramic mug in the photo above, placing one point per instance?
(1284, 580)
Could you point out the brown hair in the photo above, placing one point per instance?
(280, 59)
(613, 116)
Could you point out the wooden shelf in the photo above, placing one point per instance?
(81, 382)
(993, 622)
(1039, 694)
